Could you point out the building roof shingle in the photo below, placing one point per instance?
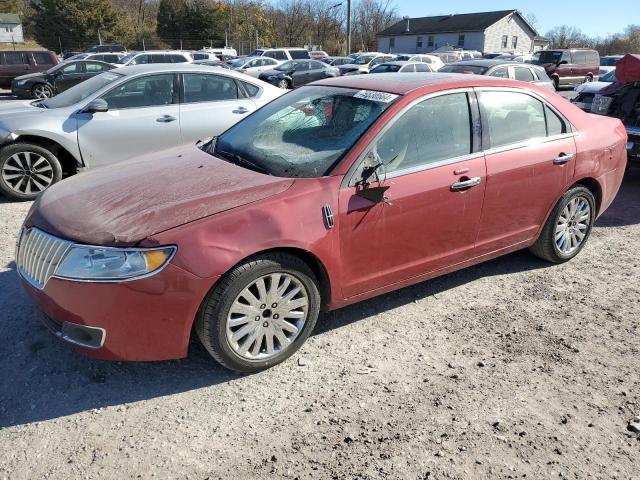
(9, 18)
(465, 22)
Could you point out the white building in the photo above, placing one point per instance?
(502, 31)
(10, 28)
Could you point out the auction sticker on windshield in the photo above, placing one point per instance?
(381, 97)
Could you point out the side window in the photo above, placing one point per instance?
(523, 74)
(71, 69)
(178, 59)
(555, 125)
(501, 72)
(15, 58)
(422, 67)
(433, 130)
(270, 54)
(566, 57)
(250, 88)
(512, 117)
(141, 60)
(42, 58)
(316, 65)
(151, 91)
(280, 55)
(199, 87)
(302, 67)
(95, 67)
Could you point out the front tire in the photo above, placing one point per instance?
(284, 84)
(259, 313)
(568, 226)
(26, 170)
(588, 79)
(41, 91)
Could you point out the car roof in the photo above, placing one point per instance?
(175, 68)
(486, 62)
(399, 62)
(404, 83)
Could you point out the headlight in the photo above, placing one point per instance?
(21, 83)
(112, 264)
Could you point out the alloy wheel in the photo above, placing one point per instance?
(42, 91)
(27, 173)
(267, 316)
(283, 84)
(572, 225)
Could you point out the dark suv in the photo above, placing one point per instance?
(569, 67)
(16, 63)
(106, 49)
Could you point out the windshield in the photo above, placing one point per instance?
(126, 58)
(385, 68)
(609, 61)
(461, 68)
(546, 56)
(81, 91)
(609, 77)
(305, 132)
(363, 59)
(290, 65)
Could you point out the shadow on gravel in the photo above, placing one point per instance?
(43, 379)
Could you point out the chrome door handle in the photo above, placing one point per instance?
(241, 110)
(165, 119)
(472, 182)
(563, 158)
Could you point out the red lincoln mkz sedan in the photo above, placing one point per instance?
(333, 193)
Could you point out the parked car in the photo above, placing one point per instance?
(156, 56)
(295, 73)
(226, 52)
(434, 61)
(106, 49)
(587, 91)
(449, 57)
(282, 54)
(336, 61)
(402, 67)
(621, 100)
(119, 115)
(523, 72)
(16, 63)
(608, 63)
(213, 63)
(318, 54)
(569, 67)
(254, 66)
(364, 63)
(326, 196)
(101, 57)
(57, 79)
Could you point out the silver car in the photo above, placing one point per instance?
(119, 115)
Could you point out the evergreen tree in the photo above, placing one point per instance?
(172, 17)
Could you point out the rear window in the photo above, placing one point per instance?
(523, 74)
(297, 54)
(42, 58)
(460, 68)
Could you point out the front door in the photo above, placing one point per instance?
(430, 217)
(143, 117)
(211, 104)
(530, 158)
(69, 76)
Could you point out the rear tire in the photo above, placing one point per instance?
(26, 170)
(260, 313)
(556, 84)
(568, 227)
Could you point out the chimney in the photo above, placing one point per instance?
(408, 28)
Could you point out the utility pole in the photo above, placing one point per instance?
(348, 27)
(99, 37)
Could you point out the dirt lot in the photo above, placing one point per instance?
(510, 369)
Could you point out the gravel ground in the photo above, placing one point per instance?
(514, 368)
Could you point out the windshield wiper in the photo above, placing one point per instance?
(238, 160)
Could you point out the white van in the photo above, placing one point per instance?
(228, 51)
(282, 54)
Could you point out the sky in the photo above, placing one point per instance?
(593, 17)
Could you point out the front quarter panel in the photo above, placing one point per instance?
(210, 247)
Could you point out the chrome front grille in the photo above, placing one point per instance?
(39, 254)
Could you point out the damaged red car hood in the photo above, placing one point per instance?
(124, 203)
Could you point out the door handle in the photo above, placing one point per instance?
(165, 119)
(471, 182)
(563, 158)
(241, 110)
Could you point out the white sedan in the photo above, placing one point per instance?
(254, 66)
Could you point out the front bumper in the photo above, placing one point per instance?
(140, 320)
(22, 92)
(633, 144)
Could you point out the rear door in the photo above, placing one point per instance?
(210, 105)
(143, 117)
(435, 176)
(530, 155)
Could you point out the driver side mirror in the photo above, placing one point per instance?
(563, 62)
(97, 105)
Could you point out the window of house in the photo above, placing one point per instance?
(514, 42)
(419, 42)
(505, 40)
(392, 43)
(430, 41)
(435, 129)
(461, 40)
(8, 28)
